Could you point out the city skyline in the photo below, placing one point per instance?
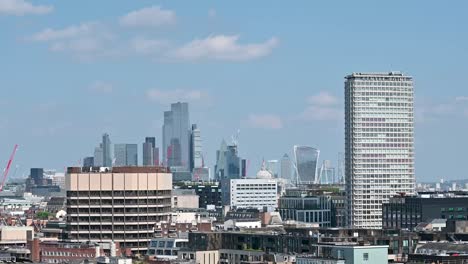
(72, 100)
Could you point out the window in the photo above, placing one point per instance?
(365, 256)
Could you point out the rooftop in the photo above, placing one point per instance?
(129, 169)
(377, 74)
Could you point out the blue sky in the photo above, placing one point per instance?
(72, 70)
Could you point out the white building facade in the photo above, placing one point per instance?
(379, 143)
(254, 193)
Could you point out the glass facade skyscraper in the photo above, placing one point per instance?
(176, 136)
(228, 162)
(106, 151)
(150, 152)
(132, 155)
(306, 159)
(126, 154)
(196, 148)
(379, 143)
(98, 155)
(286, 168)
(120, 154)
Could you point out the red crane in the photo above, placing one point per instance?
(7, 169)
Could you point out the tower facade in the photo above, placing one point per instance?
(106, 151)
(379, 143)
(176, 136)
(306, 159)
(286, 168)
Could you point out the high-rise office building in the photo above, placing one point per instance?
(176, 136)
(306, 159)
(228, 164)
(98, 155)
(132, 155)
(286, 168)
(150, 152)
(106, 151)
(121, 204)
(126, 154)
(88, 162)
(37, 176)
(272, 167)
(220, 167)
(244, 168)
(379, 143)
(120, 154)
(327, 173)
(196, 148)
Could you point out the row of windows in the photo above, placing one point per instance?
(358, 131)
(451, 209)
(66, 254)
(119, 193)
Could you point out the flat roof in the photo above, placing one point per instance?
(126, 169)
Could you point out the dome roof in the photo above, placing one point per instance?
(263, 173)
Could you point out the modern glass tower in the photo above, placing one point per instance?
(150, 152)
(132, 155)
(120, 155)
(327, 173)
(98, 162)
(306, 164)
(286, 168)
(379, 143)
(196, 148)
(106, 151)
(126, 155)
(228, 162)
(176, 136)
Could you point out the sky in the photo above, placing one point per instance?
(274, 70)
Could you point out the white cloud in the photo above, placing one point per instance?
(172, 96)
(50, 34)
(85, 41)
(21, 8)
(461, 99)
(212, 13)
(101, 87)
(266, 121)
(322, 107)
(152, 16)
(323, 98)
(148, 46)
(224, 47)
(321, 113)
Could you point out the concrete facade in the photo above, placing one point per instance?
(121, 204)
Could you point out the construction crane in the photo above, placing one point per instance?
(7, 169)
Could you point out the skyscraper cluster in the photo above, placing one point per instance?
(123, 154)
(182, 148)
(379, 149)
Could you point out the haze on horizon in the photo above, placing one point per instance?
(273, 70)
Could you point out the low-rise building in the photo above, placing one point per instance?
(408, 211)
(353, 253)
(301, 206)
(209, 193)
(166, 248)
(15, 236)
(440, 253)
(184, 198)
(259, 193)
